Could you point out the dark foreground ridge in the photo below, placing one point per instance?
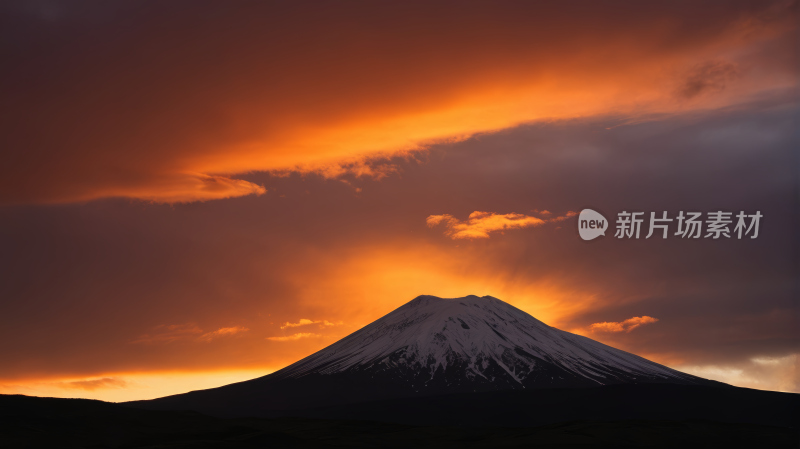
(27, 422)
(510, 408)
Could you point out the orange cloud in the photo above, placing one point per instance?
(560, 218)
(188, 331)
(293, 337)
(95, 384)
(130, 125)
(222, 332)
(481, 224)
(623, 326)
(305, 322)
(190, 187)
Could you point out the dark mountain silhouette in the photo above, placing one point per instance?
(27, 422)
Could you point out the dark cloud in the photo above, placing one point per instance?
(706, 77)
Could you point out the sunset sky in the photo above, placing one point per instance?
(198, 193)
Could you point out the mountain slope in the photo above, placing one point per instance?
(432, 346)
(477, 340)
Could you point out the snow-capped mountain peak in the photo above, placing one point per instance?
(477, 340)
(433, 346)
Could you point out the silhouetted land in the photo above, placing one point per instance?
(48, 422)
(527, 408)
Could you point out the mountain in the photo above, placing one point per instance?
(433, 346)
(474, 342)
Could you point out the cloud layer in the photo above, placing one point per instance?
(305, 322)
(622, 326)
(481, 224)
(294, 337)
(95, 384)
(94, 109)
(222, 332)
(164, 334)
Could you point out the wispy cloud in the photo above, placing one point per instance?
(164, 334)
(480, 224)
(375, 168)
(709, 76)
(222, 332)
(190, 187)
(305, 322)
(622, 326)
(560, 218)
(293, 337)
(95, 384)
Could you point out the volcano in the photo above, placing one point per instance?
(431, 346)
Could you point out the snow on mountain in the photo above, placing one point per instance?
(479, 340)
(433, 346)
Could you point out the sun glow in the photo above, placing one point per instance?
(120, 387)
